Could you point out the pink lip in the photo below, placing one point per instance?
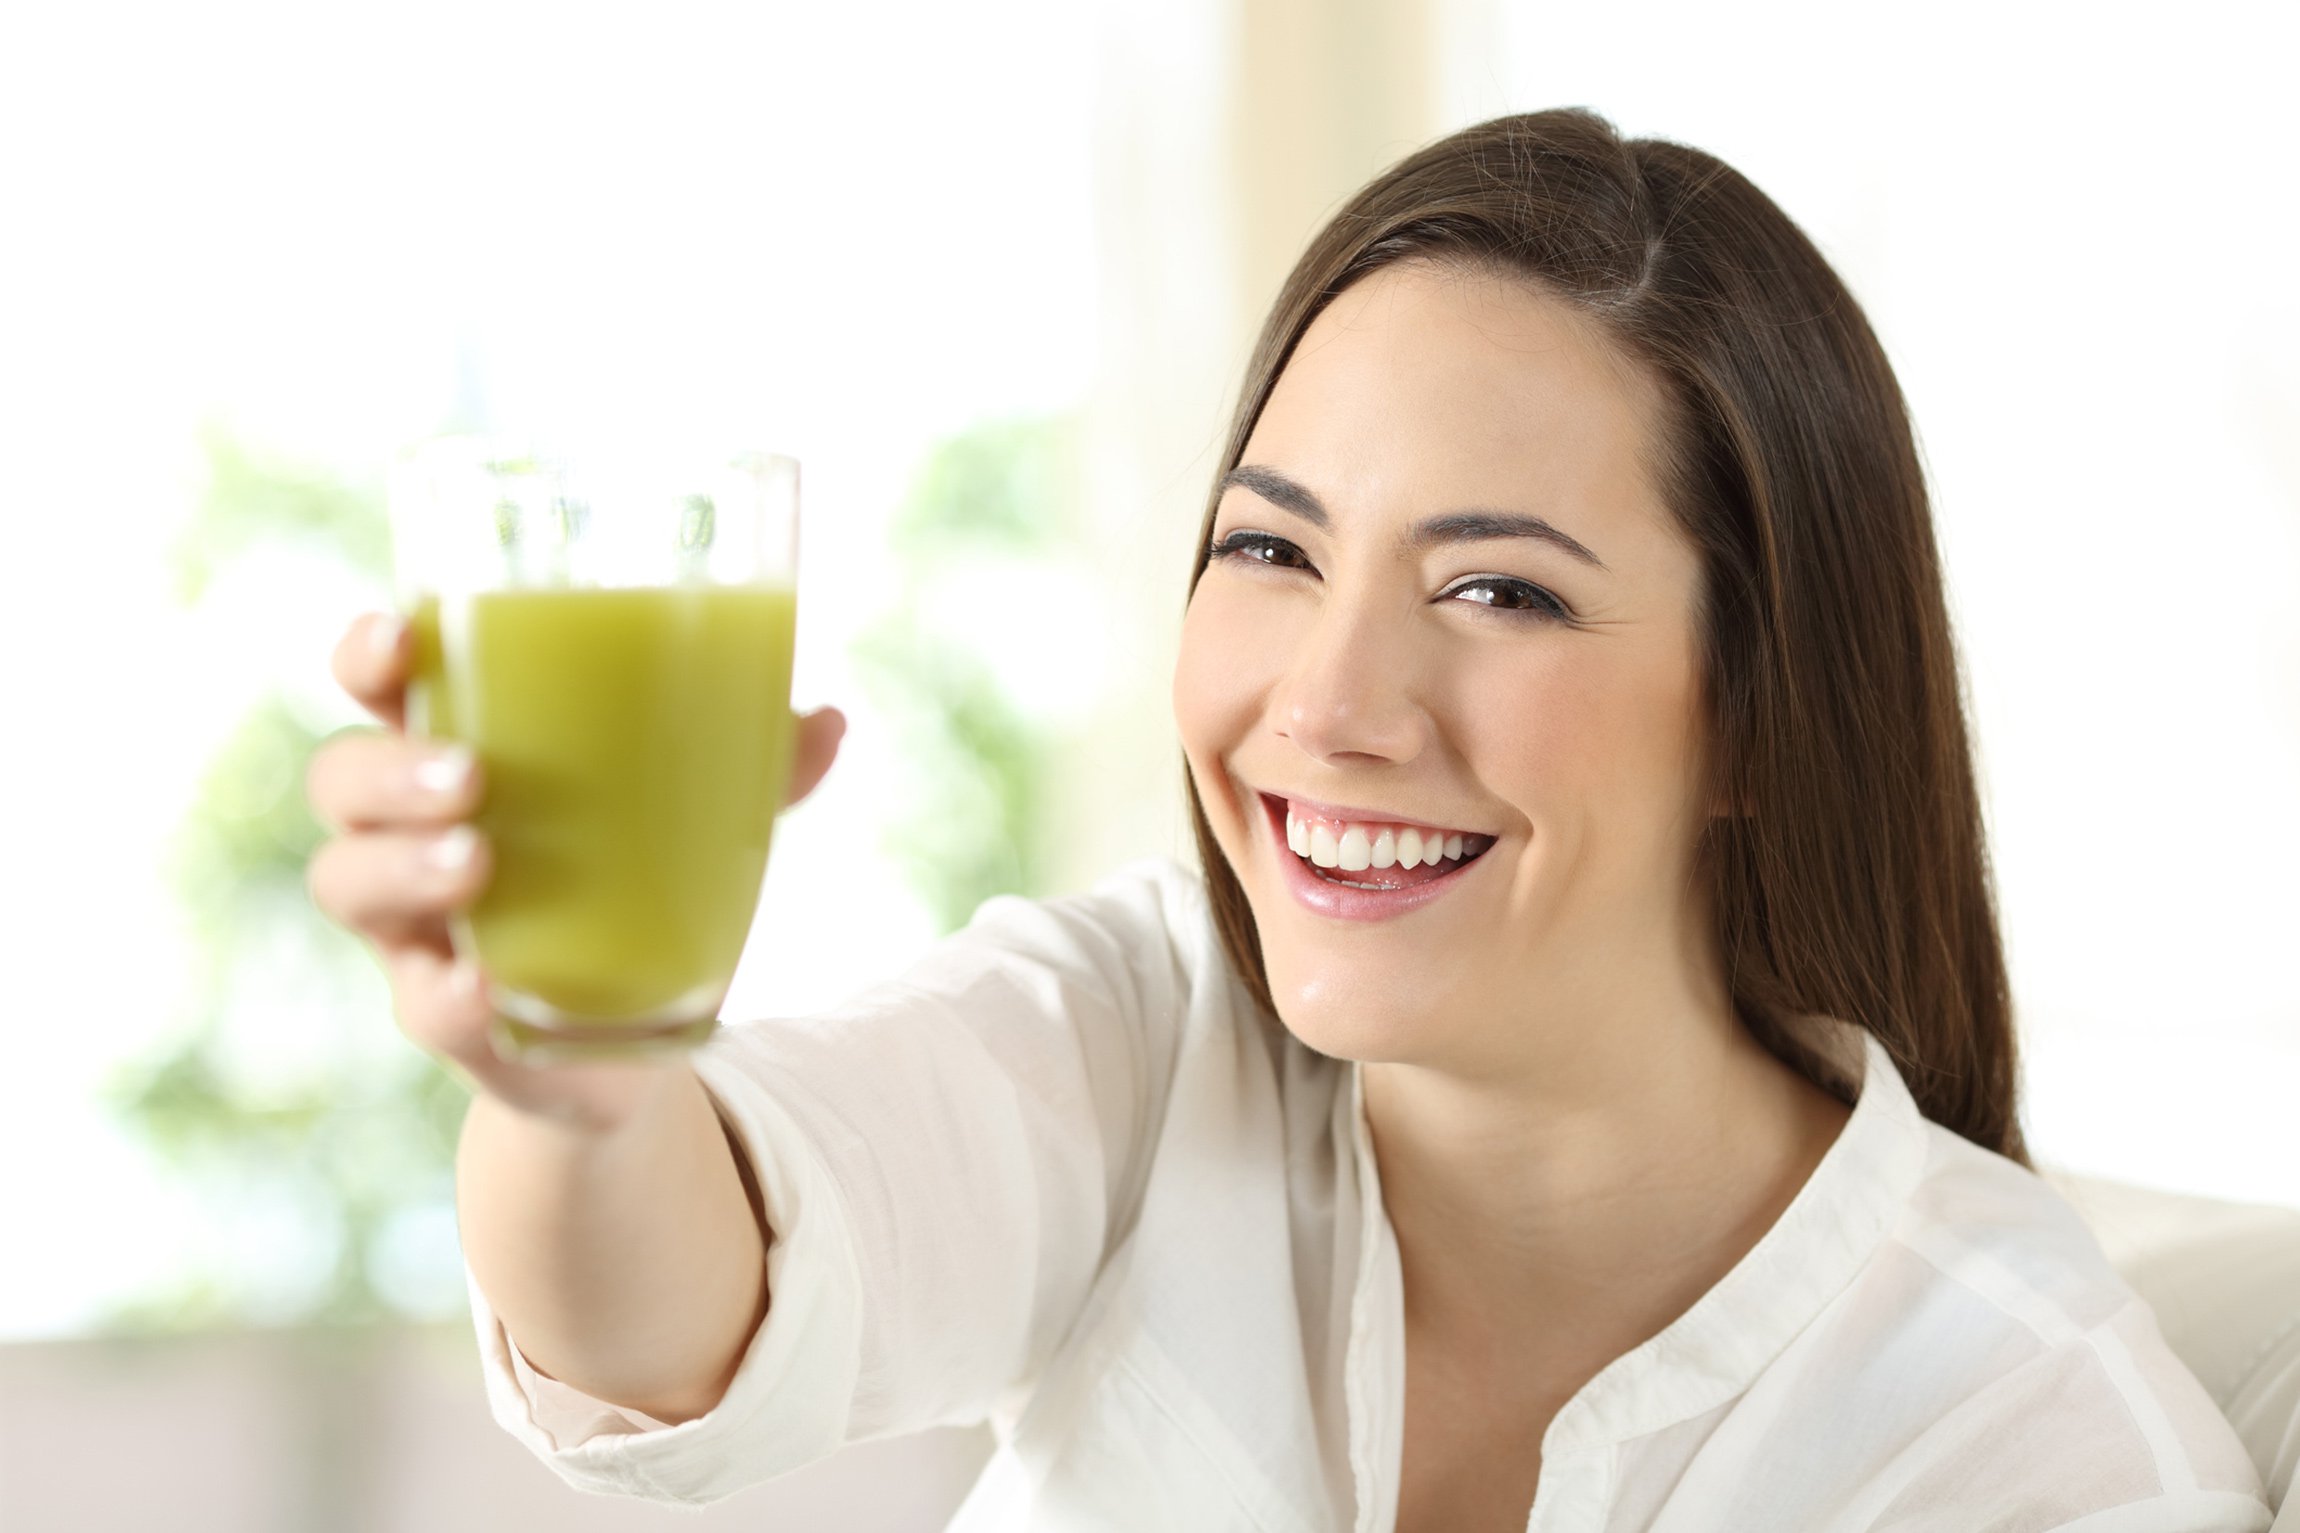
(1313, 808)
(1339, 901)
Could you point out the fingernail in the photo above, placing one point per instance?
(452, 852)
(445, 772)
(384, 633)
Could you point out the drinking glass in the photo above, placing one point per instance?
(612, 638)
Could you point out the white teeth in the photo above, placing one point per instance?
(1356, 847)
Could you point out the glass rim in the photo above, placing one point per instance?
(570, 518)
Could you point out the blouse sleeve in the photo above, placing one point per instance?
(944, 1162)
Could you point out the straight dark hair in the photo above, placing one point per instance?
(1854, 883)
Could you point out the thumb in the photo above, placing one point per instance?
(817, 747)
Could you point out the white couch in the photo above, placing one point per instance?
(2224, 1279)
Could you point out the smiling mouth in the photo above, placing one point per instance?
(1373, 857)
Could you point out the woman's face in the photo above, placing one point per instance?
(1451, 600)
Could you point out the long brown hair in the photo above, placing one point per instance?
(1854, 883)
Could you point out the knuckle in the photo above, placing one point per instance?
(333, 775)
(417, 1016)
(370, 664)
(430, 1011)
(320, 776)
(315, 782)
(322, 877)
(340, 661)
(370, 884)
(354, 659)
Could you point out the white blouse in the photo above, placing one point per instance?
(1061, 1176)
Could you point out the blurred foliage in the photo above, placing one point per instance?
(976, 767)
(336, 1140)
(1002, 486)
(250, 503)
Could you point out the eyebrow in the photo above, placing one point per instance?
(1471, 526)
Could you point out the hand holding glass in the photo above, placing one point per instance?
(614, 642)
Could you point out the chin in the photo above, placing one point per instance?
(1341, 1017)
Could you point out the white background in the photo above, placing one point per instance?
(854, 230)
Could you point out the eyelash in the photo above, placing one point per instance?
(1541, 604)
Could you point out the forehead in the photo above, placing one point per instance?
(1425, 388)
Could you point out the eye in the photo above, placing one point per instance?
(1496, 593)
(1258, 548)
(1505, 593)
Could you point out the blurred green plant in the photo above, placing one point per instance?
(252, 504)
(336, 1148)
(975, 764)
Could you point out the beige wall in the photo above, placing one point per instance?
(377, 1431)
(1324, 93)
(1229, 130)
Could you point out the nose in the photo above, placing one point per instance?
(1350, 698)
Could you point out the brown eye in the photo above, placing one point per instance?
(1259, 548)
(1504, 594)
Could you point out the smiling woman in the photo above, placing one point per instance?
(1577, 1092)
(1712, 409)
(1456, 572)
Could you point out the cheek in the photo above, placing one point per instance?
(1654, 730)
(1534, 725)
(1600, 738)
(1218, 685)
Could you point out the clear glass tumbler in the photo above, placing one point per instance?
(613, 639)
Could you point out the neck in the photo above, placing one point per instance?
(1608, 1181)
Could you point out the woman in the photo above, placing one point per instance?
(1583, 1079)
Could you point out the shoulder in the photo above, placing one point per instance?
(1147, 923)
(1999, 1229)
(1138, 945)
(2052, 1373)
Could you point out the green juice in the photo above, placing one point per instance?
(636, 745)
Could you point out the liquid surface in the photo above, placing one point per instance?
(636, 745)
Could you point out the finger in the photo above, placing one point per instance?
(397, 888)
(362, 779)
(444, 1009)
(818, 746)
(370, 663)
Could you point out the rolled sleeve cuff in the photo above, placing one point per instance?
(791, 1398)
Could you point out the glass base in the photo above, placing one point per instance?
(533, 1032)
